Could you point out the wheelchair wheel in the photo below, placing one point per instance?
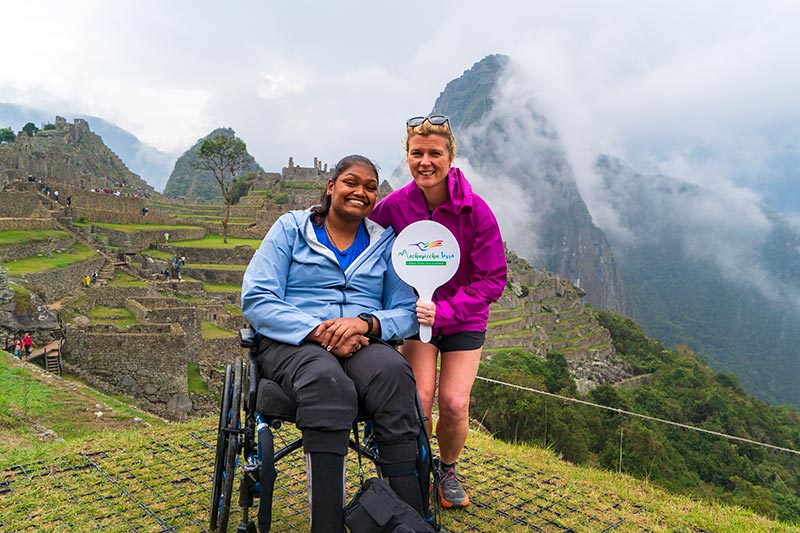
(222, 445)
(227, 449)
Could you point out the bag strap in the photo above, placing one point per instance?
(358, 453)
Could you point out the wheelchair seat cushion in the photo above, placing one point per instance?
(271, 401)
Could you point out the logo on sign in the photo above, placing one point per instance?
(425, 255)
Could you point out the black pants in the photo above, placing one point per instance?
(329, 390)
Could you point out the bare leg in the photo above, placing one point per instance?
(422, 358)
(457, 374)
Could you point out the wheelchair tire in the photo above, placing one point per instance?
(227, 451)
(222, 446)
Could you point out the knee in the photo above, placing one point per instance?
(395, 373)
(334, 388)
(453, 407)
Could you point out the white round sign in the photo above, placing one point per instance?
(425, 255)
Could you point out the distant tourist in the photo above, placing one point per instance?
(55, 195)
(87, 280)
(69, 201)
(27, 343)
(177, 263)
(166, 237)
(144, 211)
(94, 276)
(18, 348)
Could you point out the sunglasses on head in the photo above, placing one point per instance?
(436, 120)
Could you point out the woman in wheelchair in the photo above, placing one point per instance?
(321, 291)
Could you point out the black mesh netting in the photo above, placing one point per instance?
(165, 486)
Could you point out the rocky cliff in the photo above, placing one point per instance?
(187, 181)
(68, 153)
(704, 270)
(513, 152)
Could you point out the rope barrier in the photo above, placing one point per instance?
(638, 415)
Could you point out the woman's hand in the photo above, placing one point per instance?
(342, 336)
(349, 347)
(426, 313)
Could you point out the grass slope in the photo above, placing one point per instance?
(158, 479)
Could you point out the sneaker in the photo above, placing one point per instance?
(451, 492)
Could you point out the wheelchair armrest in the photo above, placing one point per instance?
(247, 337)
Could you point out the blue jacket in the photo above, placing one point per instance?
(293, 283)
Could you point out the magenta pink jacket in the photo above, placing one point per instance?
(462, 304)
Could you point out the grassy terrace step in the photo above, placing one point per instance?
(8, 237)
(215, 216)
(212, 331)
(507, 326)
(29, 265)
(216, 241)
(133, 228)
(216, 266)
(499, 313)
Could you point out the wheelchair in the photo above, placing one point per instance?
(246, 446)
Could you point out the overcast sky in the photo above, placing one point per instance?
(707, 91)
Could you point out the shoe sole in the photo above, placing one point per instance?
(451, 505)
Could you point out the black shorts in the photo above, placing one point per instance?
(457, 342)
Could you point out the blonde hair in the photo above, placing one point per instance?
(426, 128)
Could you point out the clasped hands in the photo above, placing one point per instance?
(342, 336)
(345, 336)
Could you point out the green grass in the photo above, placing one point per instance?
(29, 265)
(117, 316)
(218, 266)
(220, 287)
(215, 241)
(123, 279)
(196, 383)
(22, 298)
(233, 309)
(134, 228)
(158, 254)
(64, 406)
(109, 468)
(505, 321)
(212, 331)
(21, 236)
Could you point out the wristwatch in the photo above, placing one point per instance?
(368, 318)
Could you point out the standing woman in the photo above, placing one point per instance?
(460, 309)
(320, 282)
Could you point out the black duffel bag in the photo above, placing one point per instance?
(376, 508)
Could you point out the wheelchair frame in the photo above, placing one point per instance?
(250, 443)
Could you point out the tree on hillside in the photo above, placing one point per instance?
(7, 136)
(225, 156)
(30, 128)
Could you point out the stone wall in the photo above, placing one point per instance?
(240, 255)
(170, 311)
(111, 296)
(22, 204)
(56, 284)
(143, 239)
(215, 355)
(147, 363)
(215, 275)
(8, 224)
